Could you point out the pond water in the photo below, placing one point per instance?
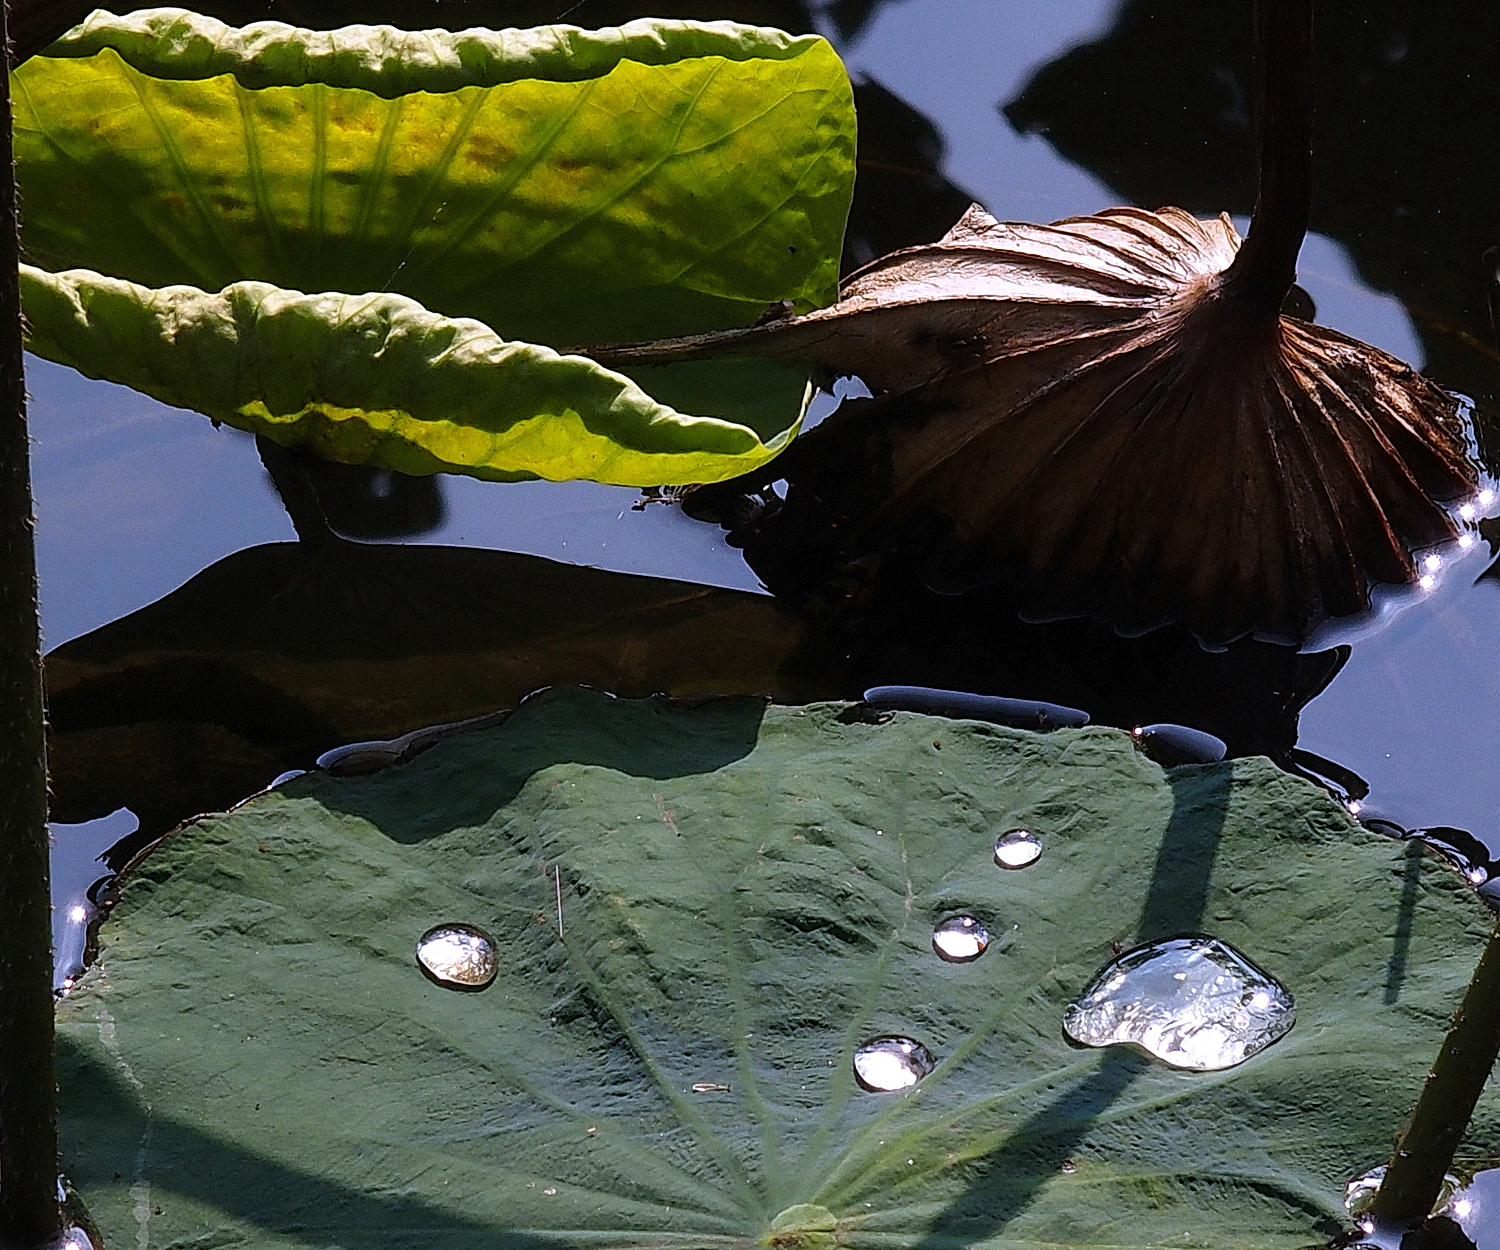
(1103, 104)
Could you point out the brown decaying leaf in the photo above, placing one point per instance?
(1096, 416)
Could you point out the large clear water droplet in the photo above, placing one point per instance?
(1017, 848)
(458, 956)
(1193, 1003)
(960, 939)
(888, 1063)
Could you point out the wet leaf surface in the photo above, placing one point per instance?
(747, 896)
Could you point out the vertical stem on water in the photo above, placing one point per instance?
(297, 493)
(1415, 1175)
(1266, 266)
(29, 1214)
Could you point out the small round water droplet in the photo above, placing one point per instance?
(1017, 848)
(888, 1063)
(1194, 1003)
(458, 956)
(960, 939)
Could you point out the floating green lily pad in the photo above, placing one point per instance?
(700, 914)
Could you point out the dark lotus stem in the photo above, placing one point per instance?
(1266, 266)
(288, 472)
(1425, 1152)
(29, 1213)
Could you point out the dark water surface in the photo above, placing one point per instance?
(272, 656)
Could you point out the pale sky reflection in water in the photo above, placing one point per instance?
(133, 498)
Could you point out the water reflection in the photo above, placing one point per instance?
(1158, 110)
(279, 653)
(81, 867)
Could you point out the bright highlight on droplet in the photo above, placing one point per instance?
(891, 1063)
(78, 913)
(458, 956)
(960, 939)
(1467, 512)
(1427, 581)
(1432, 563)
(1486, 497)
(1017, 848)
(1194, 1003)
(1465, 541)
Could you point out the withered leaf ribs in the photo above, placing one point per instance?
(1112, 414)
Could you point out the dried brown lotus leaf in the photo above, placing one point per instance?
(1092, 415)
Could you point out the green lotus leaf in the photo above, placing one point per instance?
(562, 186)
(379, 380)
(699, 915)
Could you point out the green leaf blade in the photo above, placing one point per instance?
(747, 894)
(379, 380)
(562, 186)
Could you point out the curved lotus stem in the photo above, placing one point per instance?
(1414, 1178)
(1266, 267)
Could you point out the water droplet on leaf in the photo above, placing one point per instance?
(889, 1063)
(1193, 1003)
(458, 956)
(1017, 848)
(960, 939)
